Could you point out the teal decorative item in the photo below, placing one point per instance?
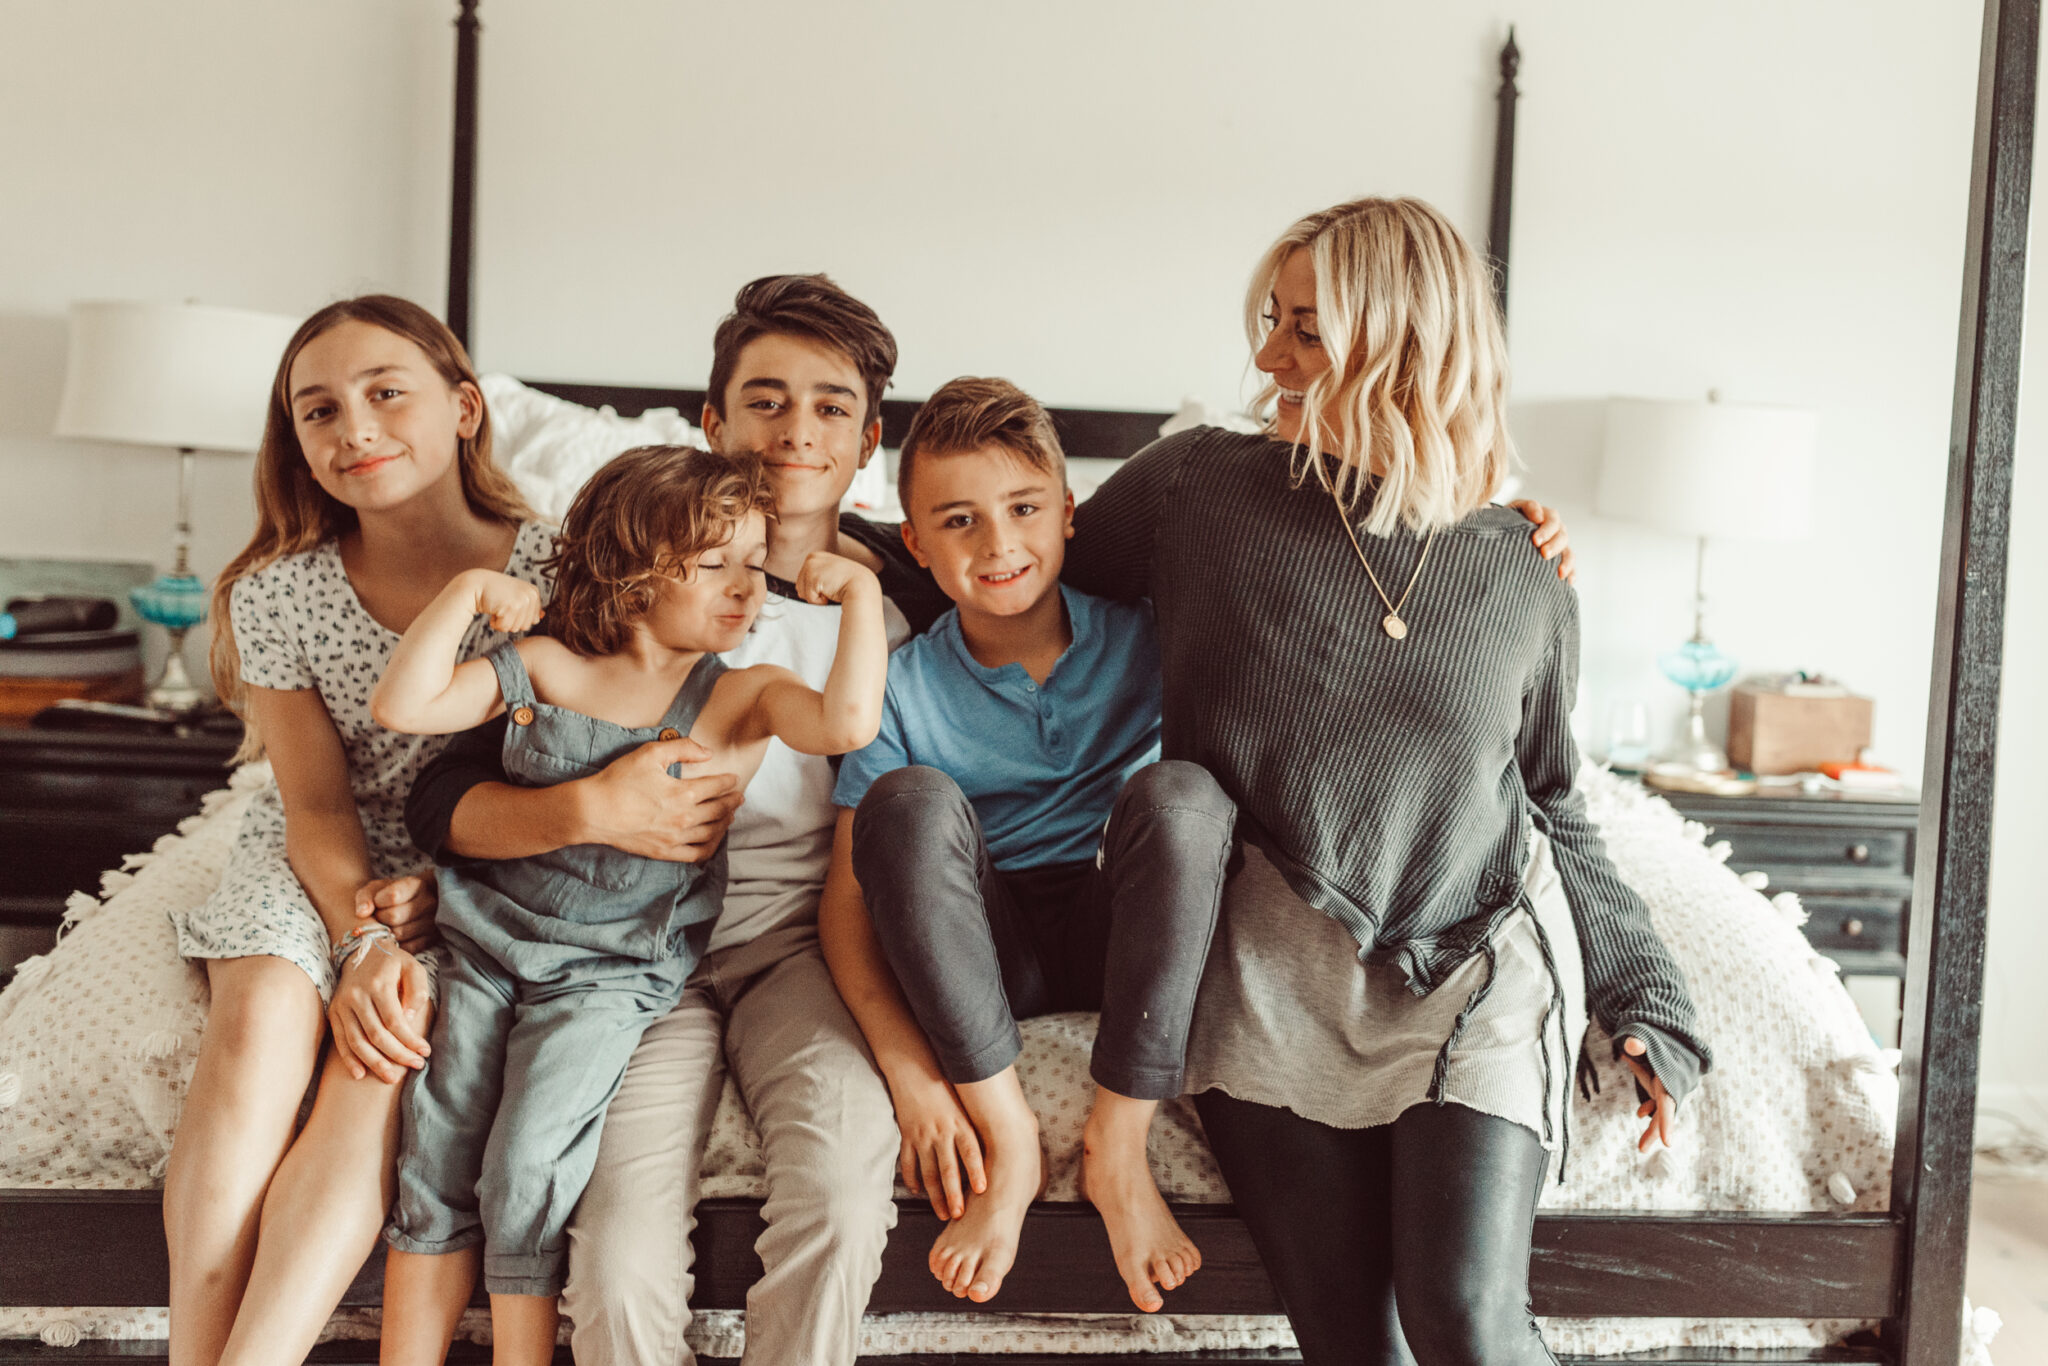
(1700, 667)
(176, 602)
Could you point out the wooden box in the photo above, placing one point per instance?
(1775, 732)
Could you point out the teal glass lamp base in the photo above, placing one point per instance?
(1700, 667)
(176, 602)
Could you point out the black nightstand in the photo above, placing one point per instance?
(1850, 859)
(72, 803)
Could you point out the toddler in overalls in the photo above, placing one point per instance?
(557, 963)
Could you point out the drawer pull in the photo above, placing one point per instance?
(1852, 928)
(1859, 853)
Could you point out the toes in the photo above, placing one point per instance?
(1144, 1295)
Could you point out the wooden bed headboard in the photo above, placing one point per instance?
(1097, 433)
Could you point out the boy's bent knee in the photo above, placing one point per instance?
(908, 803)
(1177, 786)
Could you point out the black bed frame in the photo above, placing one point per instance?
(1904, 1267)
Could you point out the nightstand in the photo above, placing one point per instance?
(72, 803)
(1850, 859)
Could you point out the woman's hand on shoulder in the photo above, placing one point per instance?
(826, 577)
(405, 905)
(1550, 538)
(379, 1012)
(941, 1155)
(513, 605)
(1659, 1109)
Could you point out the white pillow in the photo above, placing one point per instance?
(550, 446)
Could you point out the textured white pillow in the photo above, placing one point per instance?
(550, 446)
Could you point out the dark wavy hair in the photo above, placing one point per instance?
(811, 306)
(640, 519)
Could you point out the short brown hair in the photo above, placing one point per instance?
(642, 517)
(971, 414)
(803, 306)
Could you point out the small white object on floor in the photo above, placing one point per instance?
(62, 1333)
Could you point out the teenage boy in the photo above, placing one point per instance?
(797, 374)
(1019, 846)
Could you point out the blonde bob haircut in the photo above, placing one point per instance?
(294, 514)
(1416, 392)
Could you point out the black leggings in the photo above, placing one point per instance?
(1399, 1245)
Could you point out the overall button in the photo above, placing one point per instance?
(669, 733)
(522, 716)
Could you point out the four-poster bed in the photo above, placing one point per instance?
(1904, 1267)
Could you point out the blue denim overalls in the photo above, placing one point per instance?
(556, 965)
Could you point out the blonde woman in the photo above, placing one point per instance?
(374, 487)
(1366, 656)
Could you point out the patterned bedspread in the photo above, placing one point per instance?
(98, 1039)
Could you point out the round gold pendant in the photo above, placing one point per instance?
(1395, 627)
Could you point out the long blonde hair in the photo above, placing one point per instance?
(1418, 375)
(294, 514)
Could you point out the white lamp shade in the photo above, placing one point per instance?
(171, 374)
(1709, 469)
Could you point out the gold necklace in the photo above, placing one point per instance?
(1391, 623)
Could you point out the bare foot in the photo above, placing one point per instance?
(975, 1251)
(1144, 1237)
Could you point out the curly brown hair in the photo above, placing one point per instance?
(641, 518)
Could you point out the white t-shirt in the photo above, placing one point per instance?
(780, 845)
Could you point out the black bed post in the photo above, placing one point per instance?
(462, 208)
(1503, 171)
(1945, 959)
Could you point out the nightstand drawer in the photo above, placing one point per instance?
(1877, 923)
(1815, 850)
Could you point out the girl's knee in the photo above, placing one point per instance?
(263, 1005)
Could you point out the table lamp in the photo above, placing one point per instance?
(1706, 469)
(180, 376)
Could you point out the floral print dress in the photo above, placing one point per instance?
(298, 624)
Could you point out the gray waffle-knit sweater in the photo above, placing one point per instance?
(1392, 782)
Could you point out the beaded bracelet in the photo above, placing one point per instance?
(354, 946)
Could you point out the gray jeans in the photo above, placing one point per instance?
(976, 948)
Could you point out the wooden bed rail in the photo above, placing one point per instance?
(1829, 1266)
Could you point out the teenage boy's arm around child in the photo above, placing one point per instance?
(425, 690)
(941, 1152)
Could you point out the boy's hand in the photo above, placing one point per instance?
(826, 577)
(511, 604)
(1550, 538)
(406, 904)
(1657, 1109)
(941, 1156)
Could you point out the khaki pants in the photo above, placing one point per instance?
(767, 1009)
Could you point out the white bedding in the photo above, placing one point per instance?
(97, 1042)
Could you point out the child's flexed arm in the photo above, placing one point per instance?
(847, 714)
(424, 690)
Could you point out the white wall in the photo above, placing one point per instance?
(1762, 198)
(237, 152)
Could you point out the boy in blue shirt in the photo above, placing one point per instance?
(1019, 846)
